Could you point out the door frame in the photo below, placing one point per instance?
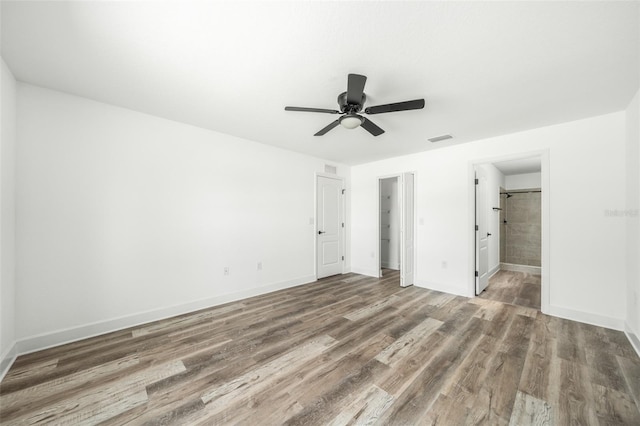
(342, 220)
(379, 180)
(546, 189)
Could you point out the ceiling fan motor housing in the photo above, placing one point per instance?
(350, 108)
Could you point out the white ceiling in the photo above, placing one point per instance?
(484, 68)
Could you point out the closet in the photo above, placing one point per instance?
(389, 224)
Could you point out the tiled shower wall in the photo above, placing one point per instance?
(521, 228)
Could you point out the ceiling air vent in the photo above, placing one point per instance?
(440, 138)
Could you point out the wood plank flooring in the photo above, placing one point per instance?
(516, 288)
(344, 350)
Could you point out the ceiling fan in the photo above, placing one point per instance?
(351, 103)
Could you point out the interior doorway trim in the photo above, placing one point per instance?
(545, 285)
(411, 273)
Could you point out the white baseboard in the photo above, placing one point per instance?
(587, 317)
(633, 338)
(458, 291)
(388, 265)
(7, 360)
(535, 270)
(60, 337)
(364, 271)
(494, 270)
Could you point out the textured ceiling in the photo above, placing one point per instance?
(484, 68)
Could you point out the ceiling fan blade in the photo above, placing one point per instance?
(355, 88)
(370, 127)
(303, 109)
(399, 106)
(326, 129)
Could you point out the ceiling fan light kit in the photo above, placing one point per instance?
(351, 103)
(350, 121)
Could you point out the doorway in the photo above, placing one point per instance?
(330, 226)
(396, 227)
(512, 203)
(389, 224)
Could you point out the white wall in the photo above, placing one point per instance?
(495, 179)
(389, 224)
(632, 213)
(126, 217)
(523, 181)
(580, 262)
(7, 215)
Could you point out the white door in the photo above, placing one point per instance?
(329, 230)
(407, 262)
(482, 232)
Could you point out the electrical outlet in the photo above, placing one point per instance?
(226, 270)
(259, 266)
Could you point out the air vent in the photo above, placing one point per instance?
(330, 169)
(440, 138)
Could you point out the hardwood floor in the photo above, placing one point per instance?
(516, 288)
(345, 350)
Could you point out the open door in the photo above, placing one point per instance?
(482, 234)
(407, 231)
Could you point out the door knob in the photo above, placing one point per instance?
(320, 232)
